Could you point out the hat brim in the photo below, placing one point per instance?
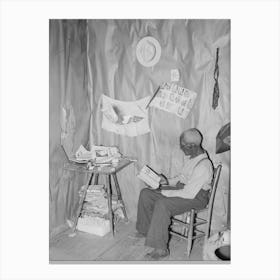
(141, 44)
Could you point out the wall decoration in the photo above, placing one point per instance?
(216, 93)
(125, 118)
(175, 75)
(174, 99)
(148, 51)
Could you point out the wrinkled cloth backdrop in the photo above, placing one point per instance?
(88, 58)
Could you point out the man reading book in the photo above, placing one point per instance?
(190, 189)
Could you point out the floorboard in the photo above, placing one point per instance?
(122, 248)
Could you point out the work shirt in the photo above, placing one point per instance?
(196, 174)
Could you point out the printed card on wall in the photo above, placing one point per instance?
(174, 99)
(125, 118)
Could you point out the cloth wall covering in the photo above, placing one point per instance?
(92, 58)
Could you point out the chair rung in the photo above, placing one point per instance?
(198, 236)
(199, 231)
(199, 223)
(180, 222)
(185, 237)
(201, 219)
(178, 234)
(187, 224)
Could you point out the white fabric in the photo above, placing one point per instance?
(125, 118)
(196, 174)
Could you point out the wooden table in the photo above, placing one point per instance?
(108, 171)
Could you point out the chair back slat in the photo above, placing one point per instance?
(217, 172)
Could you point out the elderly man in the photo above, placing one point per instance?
(190, 189)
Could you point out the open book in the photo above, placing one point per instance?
(149, 176)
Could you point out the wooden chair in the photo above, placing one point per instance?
(190, 220)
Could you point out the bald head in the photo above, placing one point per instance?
(191, 136)
(190, 142)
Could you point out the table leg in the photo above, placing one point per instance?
(82, 201)
(119, 194)
(109, 199)
(96, 179)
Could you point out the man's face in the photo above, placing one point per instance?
(187, 148)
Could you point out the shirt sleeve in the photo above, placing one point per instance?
(201, 176)
(174, 180)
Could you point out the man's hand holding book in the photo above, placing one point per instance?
(164, 184)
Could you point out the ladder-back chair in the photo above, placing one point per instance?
(190, 220)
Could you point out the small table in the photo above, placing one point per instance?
(108, 171)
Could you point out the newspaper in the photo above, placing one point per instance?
(98, 154)
(149, 176)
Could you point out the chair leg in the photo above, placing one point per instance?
(184, 229)
(187, 221)
(190, 233)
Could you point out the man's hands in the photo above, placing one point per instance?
(163, 181)
(179, 185)
(164, 185)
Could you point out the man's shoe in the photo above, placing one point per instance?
(157, 254)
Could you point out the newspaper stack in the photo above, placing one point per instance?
(96, 203)
(83, 154)
(98, 154)
(94, 217)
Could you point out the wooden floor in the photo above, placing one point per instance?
(84, 247)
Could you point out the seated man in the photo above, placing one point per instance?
(190, 189)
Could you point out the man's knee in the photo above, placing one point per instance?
(161, 206)
(144, 193)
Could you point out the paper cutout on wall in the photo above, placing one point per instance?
(125, 118)
(174, 99)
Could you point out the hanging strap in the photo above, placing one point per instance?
(216, 92)
(199, 163)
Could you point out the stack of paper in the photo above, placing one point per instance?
(83, 154)
(96, 203)
(98, 154)
(94, 225)
(149, 176)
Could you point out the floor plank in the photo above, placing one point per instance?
(121, 248)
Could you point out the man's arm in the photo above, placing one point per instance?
(165, 184)
(201, 176)
(178, 186)
(163, 180)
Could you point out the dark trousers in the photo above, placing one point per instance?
(155, 212)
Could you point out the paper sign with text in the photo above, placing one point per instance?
(174, 99)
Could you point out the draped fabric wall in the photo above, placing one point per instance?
(95, 57)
